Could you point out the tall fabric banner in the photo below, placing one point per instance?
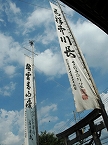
(83, 90)
(29, 104)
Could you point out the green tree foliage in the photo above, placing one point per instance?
(49, 139)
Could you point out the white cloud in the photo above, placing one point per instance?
(10, 52)
(9, 7)
(45, 114)
(62, 125)
(13, 8)
(45, 110)
(11, 12)
(59, 127)
(48, 119)
(48, 36)
(50, 63)
(9, 138)
(104, 97)
(39, 17)
(8, 89)
(12, 124)
(11, 127)
(1, 20)
(10, 69)
(93, 43)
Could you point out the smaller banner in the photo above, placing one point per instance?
(31, 126)
(29, 104)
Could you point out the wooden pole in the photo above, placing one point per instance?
(94, 134)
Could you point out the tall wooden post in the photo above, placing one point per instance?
(94, 134)
(66, 140)
(34, 92)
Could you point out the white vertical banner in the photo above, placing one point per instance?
(84, 95)
(29, 104)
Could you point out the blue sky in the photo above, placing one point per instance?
(21, 21)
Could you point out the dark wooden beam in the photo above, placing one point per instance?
(85, 121)
(86, 134)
